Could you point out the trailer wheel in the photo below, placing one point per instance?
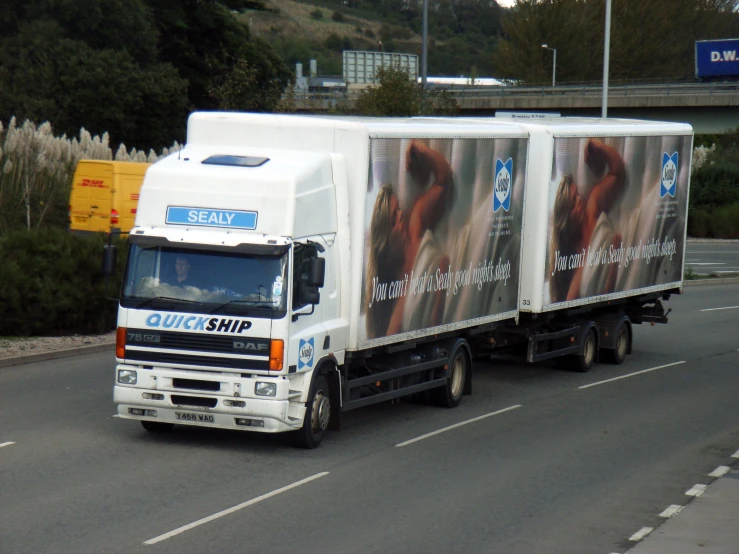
(157, 426)
(584, 361)
(317, 415)
(618, 355)
(450, 395)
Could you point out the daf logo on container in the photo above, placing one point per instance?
(668, 183)
(503, 184)
(197, 323)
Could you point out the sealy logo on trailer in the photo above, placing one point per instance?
(669, 175)
(503, 184)
(197, 323)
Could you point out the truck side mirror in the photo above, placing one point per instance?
(317, 272)
(110, 257)
(309, 294)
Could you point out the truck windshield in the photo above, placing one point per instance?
(181, 279)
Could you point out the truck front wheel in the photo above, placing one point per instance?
(450, 395)
(317, 415)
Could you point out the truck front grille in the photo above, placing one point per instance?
(196, 384)
(198, 401)
(184, 359)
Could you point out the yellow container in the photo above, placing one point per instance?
(105, 195)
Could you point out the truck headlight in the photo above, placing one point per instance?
(127, 377)
(265, 389)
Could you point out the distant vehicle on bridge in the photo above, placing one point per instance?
(717, 60)
(450, 82)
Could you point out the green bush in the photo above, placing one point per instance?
(725, 222)
(51, 283)
(715, 184)
(338, 17)
(699, 223)
(316, 14)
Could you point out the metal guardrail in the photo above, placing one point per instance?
(628, 90)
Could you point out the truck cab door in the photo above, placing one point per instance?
(306, 343)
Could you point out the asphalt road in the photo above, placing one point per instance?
(705, 258)
(569, 470)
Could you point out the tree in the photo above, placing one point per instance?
(204, 42)
(49, 77)
(649, 39)
(398, 94)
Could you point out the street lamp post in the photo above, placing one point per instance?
(554, 63)
(606, 56)
(424, 46)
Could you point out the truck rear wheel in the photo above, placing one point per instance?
(450, 395)
(317, 415)
(584, 361)
(157, 426)
(618, 355)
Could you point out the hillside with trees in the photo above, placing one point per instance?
(131, 68)
(650, 39)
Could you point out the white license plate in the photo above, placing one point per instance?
(200, 418)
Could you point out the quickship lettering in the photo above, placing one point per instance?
(197, 323)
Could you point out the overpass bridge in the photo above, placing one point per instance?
(709, 107)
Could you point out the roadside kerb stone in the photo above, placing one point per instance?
(53, 355)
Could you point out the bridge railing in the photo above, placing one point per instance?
(565, 89)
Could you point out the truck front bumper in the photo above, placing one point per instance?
(258, 414)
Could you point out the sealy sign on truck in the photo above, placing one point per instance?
(274, 283)
(716, 58)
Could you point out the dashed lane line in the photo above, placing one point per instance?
(445, 429)
(641, 533)
(696, 490)
(631, 374)
(234, 508)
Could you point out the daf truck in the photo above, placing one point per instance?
(283, 270)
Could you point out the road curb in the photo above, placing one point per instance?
(66, 353)
(712, 241)
(718, 281)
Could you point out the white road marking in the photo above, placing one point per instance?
(234, 509)
(735, 454)
(5, 444)
(706, 263)
(641, 533)
(445, 429)
(720, 471)
(724, 308)
(671, 510)
(696, 490)
(631, 374)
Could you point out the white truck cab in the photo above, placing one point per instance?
(220, 312)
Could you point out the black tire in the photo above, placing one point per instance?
(584, 361)
(617, 355)
(157, 426)
(450, 395)
(317, 415)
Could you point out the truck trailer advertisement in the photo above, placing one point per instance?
(443, 232)
(617, 215)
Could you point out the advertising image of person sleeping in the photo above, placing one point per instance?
(444, 232)
(616, 215)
